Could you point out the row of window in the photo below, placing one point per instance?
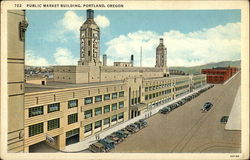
(52, 124)
(135, 100)
(55, 123)
(182, 93)
(181, 87)
(181, 82)
(35, 111)
(100, 98)
(151, 88)
(105, 121)
(38, 128)
(197, 83)
(106, 109)
(198, 78)
(153, 95)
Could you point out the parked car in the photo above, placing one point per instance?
(126, 131)
(119, 135)
(143, 122)
(133, 128)
(123, 134)
(164, 110)
(114, 138)
(138, 124)
(97, 147)
(207, 106)
(109, 144)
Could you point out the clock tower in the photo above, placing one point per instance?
(89, 42)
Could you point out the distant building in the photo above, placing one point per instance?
(176, 72)
(219, 74)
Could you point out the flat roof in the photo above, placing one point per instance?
(29, 88)
(171, 76)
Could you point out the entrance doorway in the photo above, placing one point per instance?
(72, 136)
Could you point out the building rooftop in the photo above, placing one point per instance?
(29, 88)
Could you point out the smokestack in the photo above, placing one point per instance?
(104, 59)
(161, 40)
(90, 14)
(141, 58)
(132, 59)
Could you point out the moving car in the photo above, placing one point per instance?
(97, 147)
(224, 119)
(207, 106)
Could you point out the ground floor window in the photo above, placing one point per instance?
(114, 118)
(120, 115)
(106, 121)
(35, 129)
(98, 124)
(72, 133)
(88, 128)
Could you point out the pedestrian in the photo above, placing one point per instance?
(96, 137)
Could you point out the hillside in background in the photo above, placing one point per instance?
(197, 69)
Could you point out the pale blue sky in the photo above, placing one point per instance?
(41, 38)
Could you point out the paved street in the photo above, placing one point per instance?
(186, 129)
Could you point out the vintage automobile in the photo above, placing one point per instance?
(207, 106)
(97, 147)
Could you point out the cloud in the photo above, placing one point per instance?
(33, 60)
(67, 28)
(195, 48)
(63, 56)
(102, 21)
(71, 22)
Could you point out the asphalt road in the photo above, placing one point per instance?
(188, 130)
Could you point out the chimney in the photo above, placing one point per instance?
(90, 14)
(104, 58)
(132, 59)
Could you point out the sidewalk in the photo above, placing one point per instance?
(234, 120)
(82, 145)
(231, 78)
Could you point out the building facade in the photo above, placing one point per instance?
(219, 74)
(72, 112)
(17, 25)
(85, 99)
